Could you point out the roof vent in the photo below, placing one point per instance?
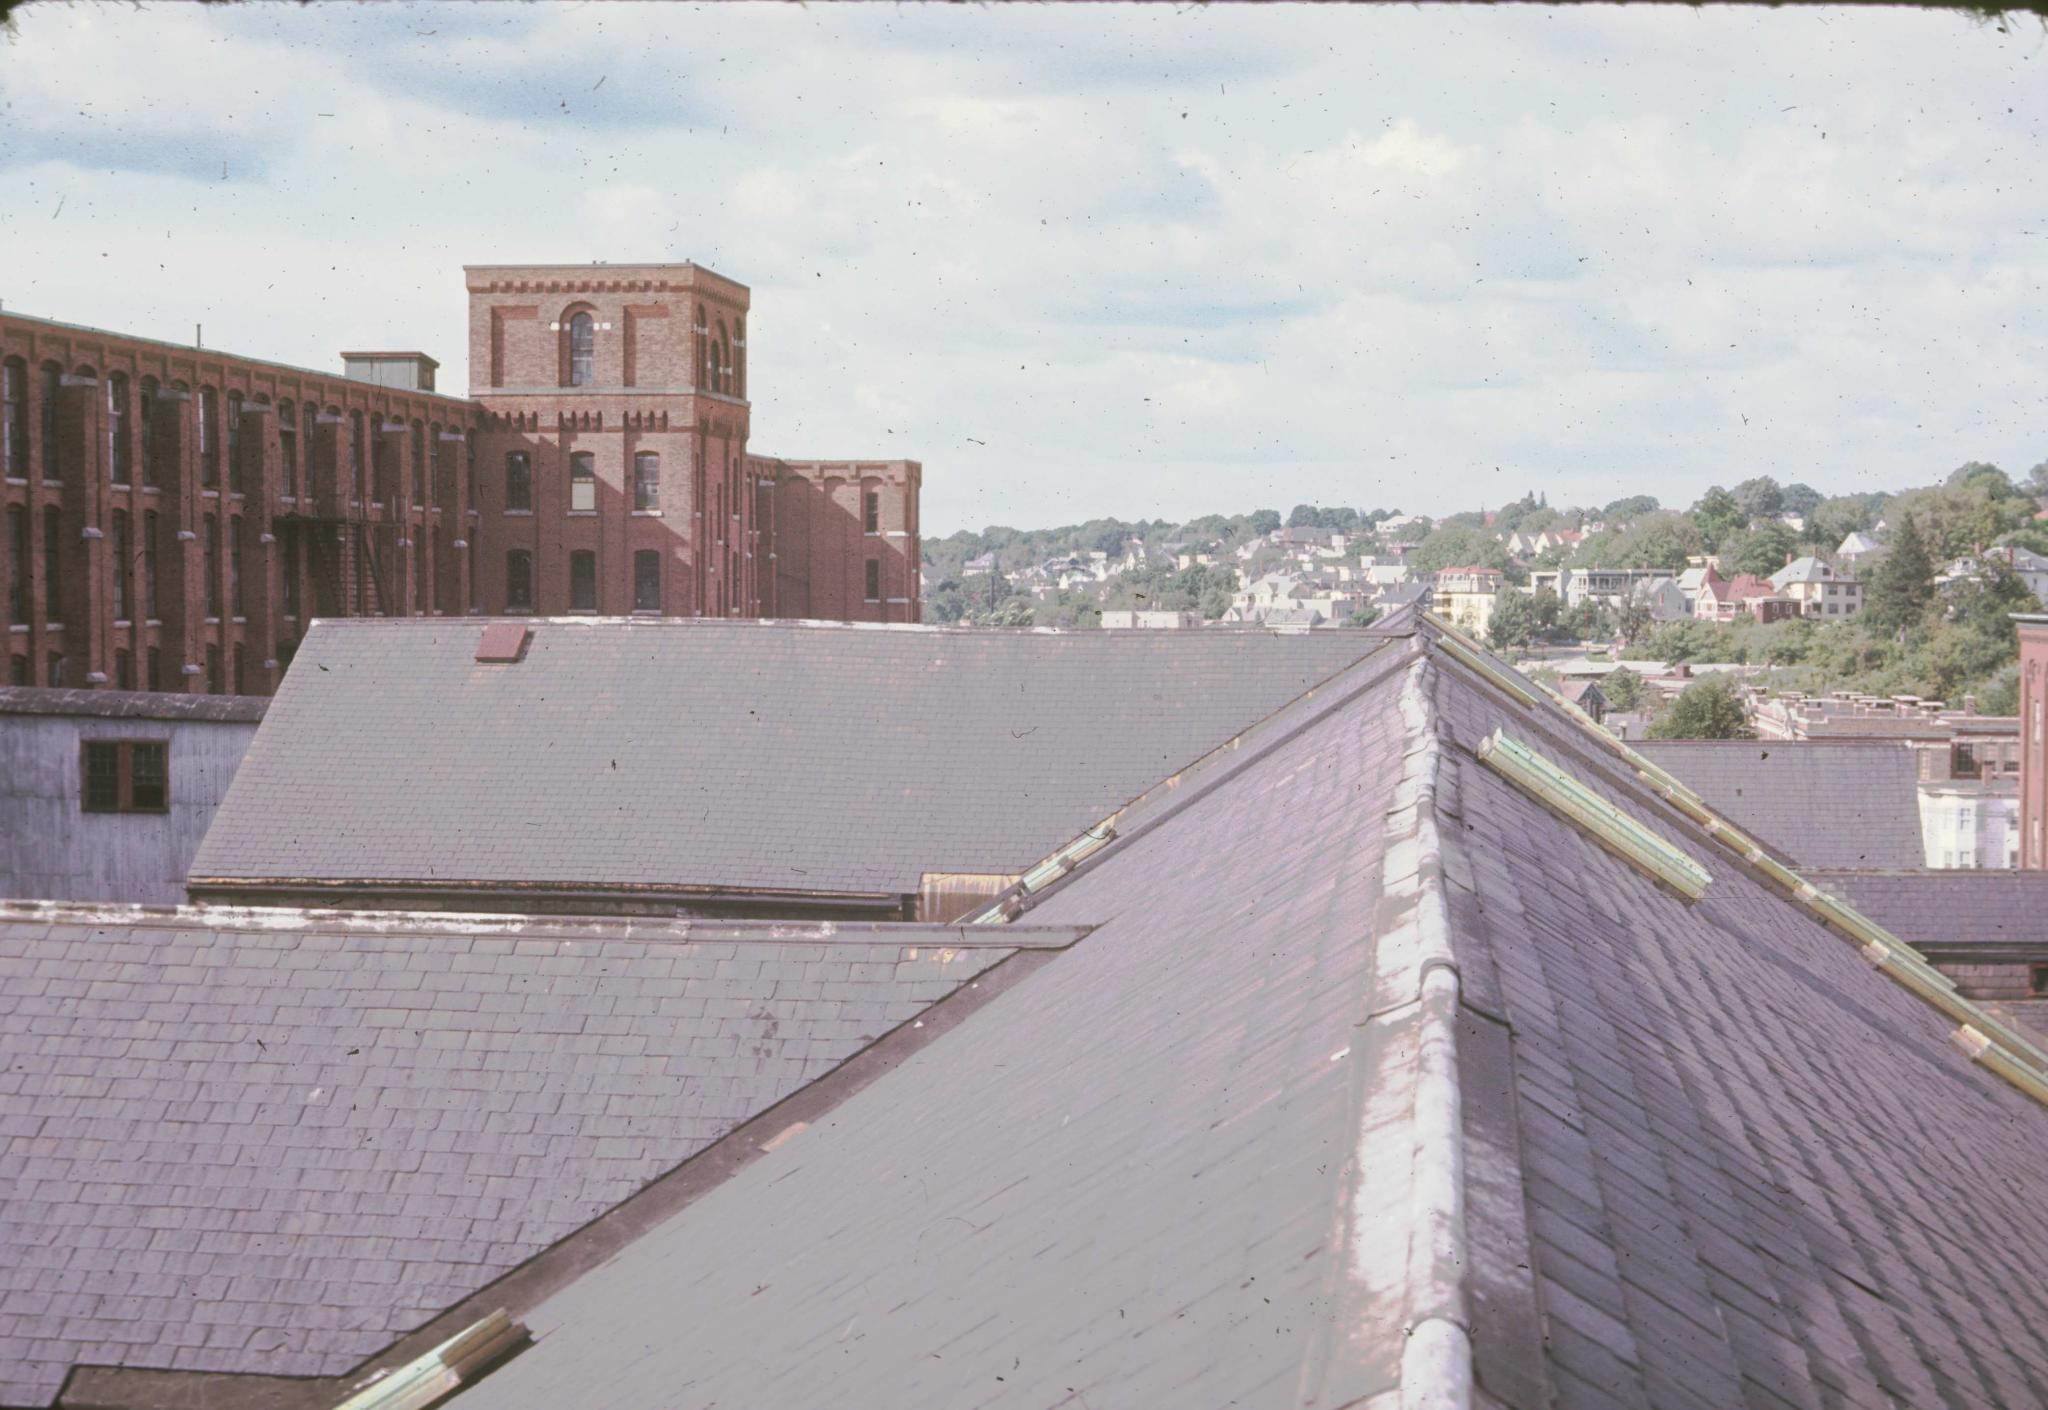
(503, 642)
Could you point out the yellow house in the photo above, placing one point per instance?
(1464, 597)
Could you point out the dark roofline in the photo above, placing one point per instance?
(132, 704)
(568, 1259)
(195, 350)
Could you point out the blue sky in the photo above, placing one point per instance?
(1143, 261)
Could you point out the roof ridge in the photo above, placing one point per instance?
(1404, 1269)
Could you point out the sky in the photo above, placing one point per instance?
(1148, 261)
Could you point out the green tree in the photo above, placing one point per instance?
(1263, 521)
(1762, 550)
(1632, 620)
(1904, 583)
(1458, 546)
(1760, 498)
(1544, 602)
(1801, 499)
(1630, 507)
(1513, 620)
(1656, 540)
(1623, 688)
(1706, 709)
(1716, 516)
(2037, 479)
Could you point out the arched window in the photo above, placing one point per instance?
(18, 566)
(14, 419)
(739, 357)
(51, 382)
(647, 481)
(146, 428)
(701, 330)
(288, 448)
(582, 349)
(118, 468)
(209, 443)
(721, 361)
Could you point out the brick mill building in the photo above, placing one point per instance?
(175, 517)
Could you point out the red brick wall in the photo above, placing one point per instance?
(186, 636)
(822, 544)
(2034, 744)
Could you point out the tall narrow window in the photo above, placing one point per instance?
(582, 339)
(647, 580)
(439, 465)
(419, 571)
(355, 454)
(215, 685)
(149, 566)
(52, 382)
(582, 482)
(209, 446)
(235, 565)
(418, 468)
(213, 566)
(124, 670)
(871, 512)
(17, 566)
(14, 419)
(53, 670)
(288, 570)
(53, 565)
(874, 583)
(118, 468)
(153, 670)
(18, 672)
(518, 581)
(384, 466)
(123, 569)
(240, 678)
(518, 480)
(147, 421)
(309, 430)
(469, 468)
(288, 449)
(235, 443)
(583, 581)
(739, 357)
(647, 480)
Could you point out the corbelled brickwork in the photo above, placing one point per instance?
(174, 516)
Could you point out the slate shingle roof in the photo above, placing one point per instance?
(1837, 804)
(728, 754)
(1703, 1156)
(273, 1147)
(1949, 907)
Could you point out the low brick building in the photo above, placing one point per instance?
(172, 518)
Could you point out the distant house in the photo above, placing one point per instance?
(1588, 697)
(1856, 547)
(980, 566)
(1818, 588)
(1689, 585)
(2031, 568)
(1745, 595)
(1465, 596)
(1664, 599)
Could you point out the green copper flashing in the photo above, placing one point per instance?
(1616, 830)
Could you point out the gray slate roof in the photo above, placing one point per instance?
(273, 1147)
(1839, 804)
(1946, 908)
(728, 754)
(1705, 1156)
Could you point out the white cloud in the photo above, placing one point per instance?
(1143, 261)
